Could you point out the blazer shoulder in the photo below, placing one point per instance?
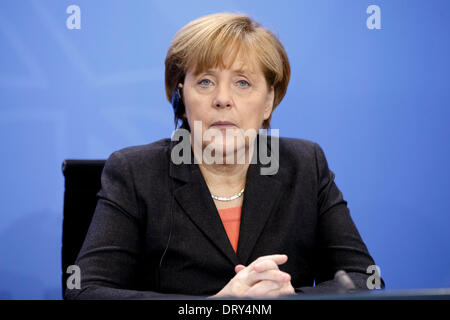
(297, 148)
(301, 155)
(154, 154)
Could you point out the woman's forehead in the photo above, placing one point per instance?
(242, 64)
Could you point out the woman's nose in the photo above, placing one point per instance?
(222, 97)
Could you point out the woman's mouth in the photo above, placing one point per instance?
(223, 124)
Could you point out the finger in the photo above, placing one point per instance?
(264, 265)
(239, 268)
(261, 289)
(277, 258)
(271, 275)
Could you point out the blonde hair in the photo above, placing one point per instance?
(205, 42)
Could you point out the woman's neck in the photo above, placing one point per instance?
(226, 180)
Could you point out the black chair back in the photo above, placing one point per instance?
(82, 183)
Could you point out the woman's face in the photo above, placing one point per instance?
(238, 95)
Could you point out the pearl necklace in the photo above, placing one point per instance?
(237, 195)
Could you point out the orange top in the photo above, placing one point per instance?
(231, 219)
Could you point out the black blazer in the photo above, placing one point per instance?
(156, 229)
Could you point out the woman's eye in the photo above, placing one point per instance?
(243, 83)
(204, 82)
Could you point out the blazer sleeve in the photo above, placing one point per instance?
(339, 244)
(108, 259)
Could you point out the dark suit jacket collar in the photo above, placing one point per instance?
(261, 196)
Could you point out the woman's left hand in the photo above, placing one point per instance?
(266, 288)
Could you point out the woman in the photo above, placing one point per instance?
(180, 220)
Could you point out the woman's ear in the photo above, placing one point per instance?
(179, 88)
(269, 103)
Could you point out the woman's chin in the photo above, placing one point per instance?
(225, 153)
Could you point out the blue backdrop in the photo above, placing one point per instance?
(376, 100)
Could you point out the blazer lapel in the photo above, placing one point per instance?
(194, 198)
(261, 196)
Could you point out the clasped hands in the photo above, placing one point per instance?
(260, 279)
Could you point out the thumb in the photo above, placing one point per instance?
(239, 268)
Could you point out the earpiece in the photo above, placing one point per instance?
(176, 99)
(170, 232)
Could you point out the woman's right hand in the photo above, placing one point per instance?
(260, 279)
